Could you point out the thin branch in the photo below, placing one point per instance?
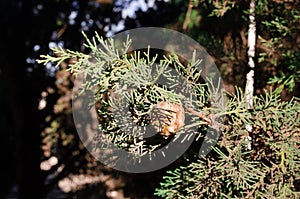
(210, 120)
(188, 15)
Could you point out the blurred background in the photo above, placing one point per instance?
(41, 154)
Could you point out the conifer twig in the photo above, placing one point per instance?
(210, 120)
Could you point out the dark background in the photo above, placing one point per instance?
(23, 26)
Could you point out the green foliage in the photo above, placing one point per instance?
(218, 8)
(285, 81)
(277, 29)
(221, 7)
(278, 24)
(267, 166)
(117, 75)
(195, 19)
(264, 163)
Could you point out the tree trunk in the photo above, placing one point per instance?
(19, 93)
(251, 54)
(249, 90)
